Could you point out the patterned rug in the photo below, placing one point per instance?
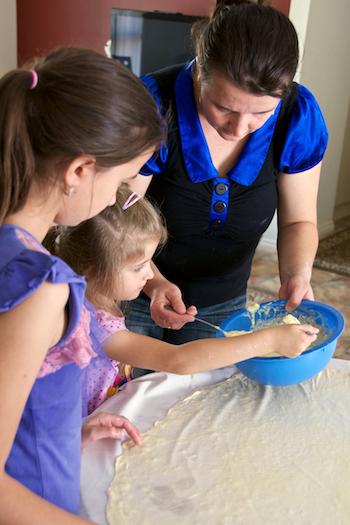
(333, 253)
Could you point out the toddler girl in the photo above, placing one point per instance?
(114, 251)
(72, 129)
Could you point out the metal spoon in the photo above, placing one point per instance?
(226, 334)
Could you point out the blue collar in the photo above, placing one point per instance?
(196, 153)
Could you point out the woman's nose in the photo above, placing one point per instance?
(239, 124)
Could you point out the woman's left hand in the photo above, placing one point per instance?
(103, 425)
(294, 290)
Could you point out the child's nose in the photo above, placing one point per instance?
(150, 273)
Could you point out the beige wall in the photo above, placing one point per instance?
(8, 35)
(342, 203)
(299, 15)
(325, 70)
(324, 36)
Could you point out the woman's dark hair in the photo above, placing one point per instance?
(83, 103)
(253, 45)
(100, 247)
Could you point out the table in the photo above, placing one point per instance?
(144, 401)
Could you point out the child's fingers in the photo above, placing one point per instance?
(308, 329)
(122, 423)
(104, 425)
(91, 434)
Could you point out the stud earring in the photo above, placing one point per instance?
(69, 190)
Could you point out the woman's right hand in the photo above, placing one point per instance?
(167, 307)
(287, 340)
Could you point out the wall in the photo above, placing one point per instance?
(323, 30)
(342, 203)
(192, 7)
(45, 24)
(299, 15)
(83, 23)
(326, 71)
(8, 36)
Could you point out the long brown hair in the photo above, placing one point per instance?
(83, 103)
(252, 44)
(100, 247)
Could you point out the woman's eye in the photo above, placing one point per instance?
(223, 110)
(266, 114)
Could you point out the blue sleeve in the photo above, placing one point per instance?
(28, 270)
(157, 162)
(307, 135)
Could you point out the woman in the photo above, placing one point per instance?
(244, 139)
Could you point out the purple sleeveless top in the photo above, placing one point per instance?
(45, 456)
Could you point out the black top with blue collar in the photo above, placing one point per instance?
(215, 223)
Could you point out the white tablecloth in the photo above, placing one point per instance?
(144, 401)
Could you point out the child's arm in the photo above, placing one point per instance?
(206, 354)
(26, 333)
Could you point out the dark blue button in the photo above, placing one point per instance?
(220, 206)
(221, 188)
(217, 223)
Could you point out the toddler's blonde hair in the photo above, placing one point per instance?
(102, 246)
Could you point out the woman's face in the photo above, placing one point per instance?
(97, 190)
(232, 112)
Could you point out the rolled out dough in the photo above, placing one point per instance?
(241, 453)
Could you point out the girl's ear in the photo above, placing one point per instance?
(78, 170)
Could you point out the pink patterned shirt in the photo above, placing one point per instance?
(103, 378)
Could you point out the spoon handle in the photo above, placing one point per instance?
(210, 324)
(217, 328)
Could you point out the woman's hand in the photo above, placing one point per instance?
(103, 425)
(167, 307)
(294, 289)
(287, 340)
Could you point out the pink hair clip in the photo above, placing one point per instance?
(35, 79)
(134, 197)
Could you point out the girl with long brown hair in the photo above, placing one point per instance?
(73, 126)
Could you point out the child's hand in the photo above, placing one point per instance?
(288, 340)
(103, 425)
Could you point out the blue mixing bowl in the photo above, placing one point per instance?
(282, 371)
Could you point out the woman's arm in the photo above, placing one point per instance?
(206, 354)
(297, 233)
(26, 333)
